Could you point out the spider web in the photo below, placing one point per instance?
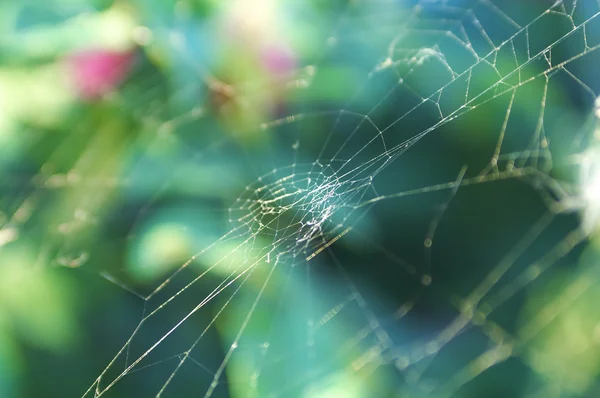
(271, 302)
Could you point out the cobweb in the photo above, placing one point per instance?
(425, 235)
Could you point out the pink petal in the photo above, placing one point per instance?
(97, 72)
(278, 60)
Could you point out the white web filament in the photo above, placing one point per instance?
(298, 211)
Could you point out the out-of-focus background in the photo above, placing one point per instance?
(299, 198)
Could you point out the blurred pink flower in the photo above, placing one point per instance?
(278, 60)
(97, 72)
